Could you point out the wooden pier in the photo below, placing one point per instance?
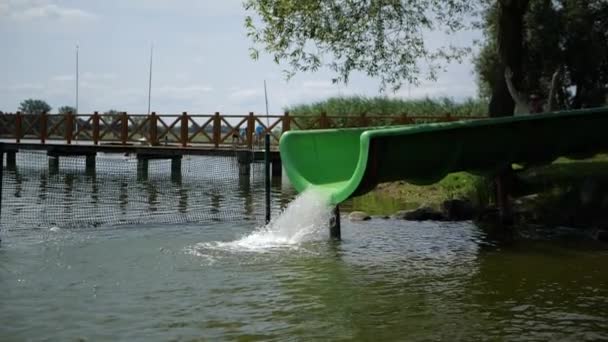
(170, 136)
(143, 154)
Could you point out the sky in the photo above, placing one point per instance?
(201, 60)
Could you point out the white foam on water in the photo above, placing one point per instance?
(305, 219)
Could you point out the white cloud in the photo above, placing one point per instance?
(200, 8)
(246, 93)
(94, 85)
(4, 9)
(87, 79)
(36, 10)
(62, 78)
(318, 85)
(25, 87)
(187, 92)
(92, 76)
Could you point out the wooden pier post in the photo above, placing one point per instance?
(142, 168)
(176, 168)
(11, 160)
(183, 136)
(217, 129)
(89, 165)
(244, 158)
(323, 121)
(277, 168)
(124, 128)
(286, 122)
(18, 120)
(250, 130)
(334, 224)
(69, 127)
(96, 128)
(153, 129)
(363, 120)
(53, 165)
(43, 127)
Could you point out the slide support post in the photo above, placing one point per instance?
(334, 224)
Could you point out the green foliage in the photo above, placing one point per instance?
(569, 192)
(110, 115)
(388, 198)
(570, 35)
(33, 106)
(66, 110)
(382, 38)
(358, 105)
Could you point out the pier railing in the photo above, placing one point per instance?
(214, 130)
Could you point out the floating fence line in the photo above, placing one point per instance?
(208, 189)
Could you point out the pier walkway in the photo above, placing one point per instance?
(170, 136)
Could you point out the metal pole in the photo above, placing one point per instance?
(267, 175)
(266, 101)
(76, 80)
(76, 108)
(150, 79)
(267, 157)
(334, 224)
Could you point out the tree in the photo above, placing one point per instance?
(32, 106)
(566, 35)
(110, 118)
(110, 115)
(385, 39)
(382, 38)
(66, 110)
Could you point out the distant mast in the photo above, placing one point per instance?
(266, 100)
(76, 107)
(150, 79)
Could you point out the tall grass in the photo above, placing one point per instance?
(358, 105)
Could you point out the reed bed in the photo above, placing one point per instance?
(359, 105)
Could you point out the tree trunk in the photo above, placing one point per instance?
(510, 49)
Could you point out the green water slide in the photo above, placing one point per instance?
(349, 162)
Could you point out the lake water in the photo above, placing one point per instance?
(228, 278)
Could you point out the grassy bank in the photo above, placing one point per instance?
(389, 198)
(358, 105)
(571, 192)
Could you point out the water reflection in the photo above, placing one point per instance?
(244, 194)
(152, 192)
(42, 189)
(18, 184)
(68, 201)
(207, 189)
(176, 177)
(94, 189)
(123, 197)
(216, 200)
(182, 203)
(555, 286)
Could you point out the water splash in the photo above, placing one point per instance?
(305, 219)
